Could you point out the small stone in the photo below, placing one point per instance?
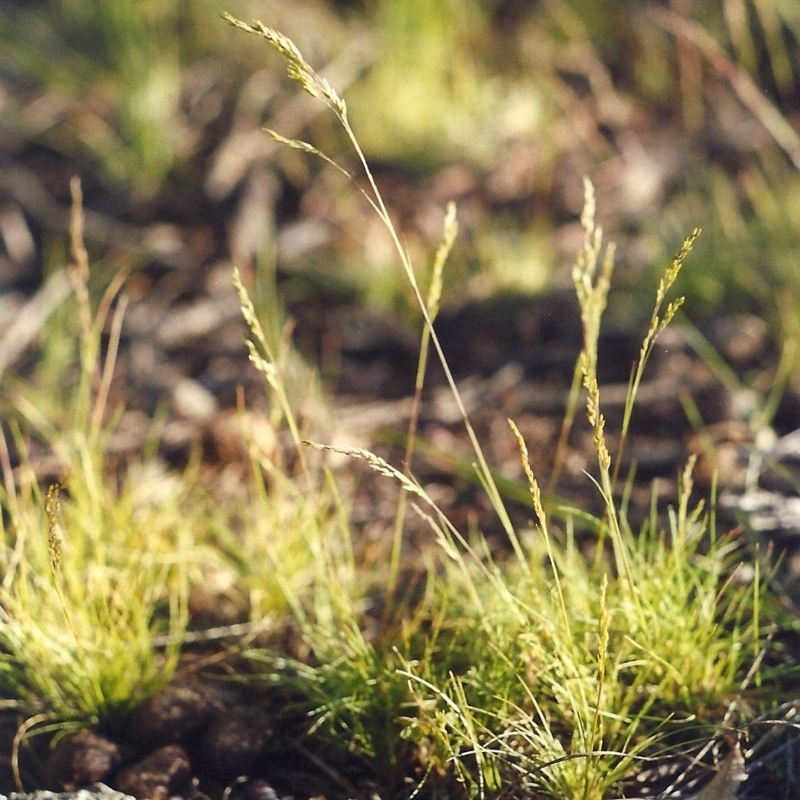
(97, 791)
(259, 789)
(174, 714)
(236, 742)
(80, 759)
(234, 435)
(162, 774)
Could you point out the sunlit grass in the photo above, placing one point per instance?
(539, 668)
(548, 669)
(92, 573)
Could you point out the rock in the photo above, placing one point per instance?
(97, 792)
(80, 759)
(162, 774)
(259, 789)
(174, 714)
(236, 742)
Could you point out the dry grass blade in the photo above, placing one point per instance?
(773, 121)
(730, 774)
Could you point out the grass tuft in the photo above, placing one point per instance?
(544, 670)
(91, 574)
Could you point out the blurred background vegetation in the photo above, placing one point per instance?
(683, 112)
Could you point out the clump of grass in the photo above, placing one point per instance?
(549, 671)
(90, 572)
(89, 578)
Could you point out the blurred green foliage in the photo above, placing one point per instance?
(95, 56)
(652, 98)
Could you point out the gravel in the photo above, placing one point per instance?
(97, 792)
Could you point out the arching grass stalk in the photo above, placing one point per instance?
(91, 405)
(591, 287)
(269, 367)
(300, 71)
(658, 323)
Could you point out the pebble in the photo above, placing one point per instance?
(81, 759)
(97, 792)
(164, 773)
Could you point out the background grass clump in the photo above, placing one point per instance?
(522, 98)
